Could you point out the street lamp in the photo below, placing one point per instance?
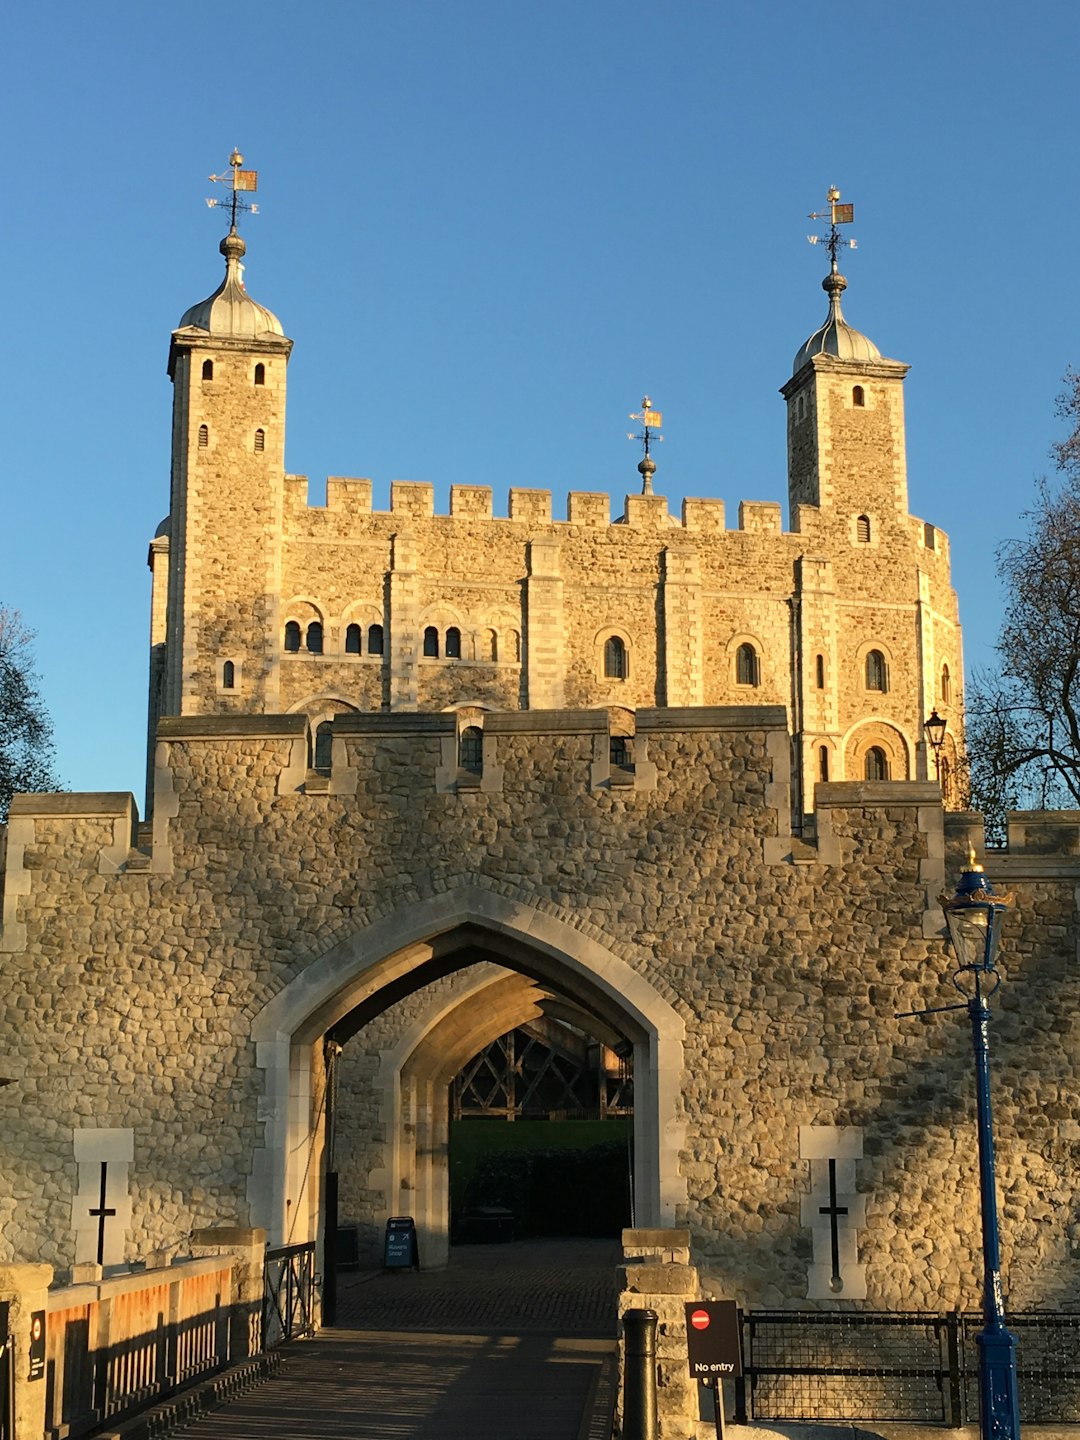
(934, 727)
(975, 915)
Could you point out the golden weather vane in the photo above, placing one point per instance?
(650, 421)
(239, 180)
(836, 215)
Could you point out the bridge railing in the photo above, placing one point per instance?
(115, 1346)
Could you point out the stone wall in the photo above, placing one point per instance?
(134, 981)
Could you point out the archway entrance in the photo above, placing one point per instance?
(487, 964)
(541, 1133)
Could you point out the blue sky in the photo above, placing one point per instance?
(490, 226)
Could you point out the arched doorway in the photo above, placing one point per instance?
(516, 954)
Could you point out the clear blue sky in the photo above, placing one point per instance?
(490, 226)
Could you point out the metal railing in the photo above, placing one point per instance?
(289, 1294)
(914, 1367)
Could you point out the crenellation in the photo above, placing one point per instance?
(760, 517)
(471, 501)
(348, 496)
(703, 516)
(412, 499)
(530, 507)
(588, 508)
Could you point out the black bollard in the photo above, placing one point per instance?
(639, 1375)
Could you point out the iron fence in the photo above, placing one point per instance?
(914, 1367)
(289, 1294)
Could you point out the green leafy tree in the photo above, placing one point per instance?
(1023, 719)
(26, 743)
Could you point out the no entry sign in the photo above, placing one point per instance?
(712, 1339)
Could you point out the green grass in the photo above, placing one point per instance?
(474, 1138)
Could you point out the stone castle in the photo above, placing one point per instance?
(418, 779)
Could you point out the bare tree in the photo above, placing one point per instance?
(26, 744)
(1023, 721)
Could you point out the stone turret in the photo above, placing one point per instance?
(221, 542)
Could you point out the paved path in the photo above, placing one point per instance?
(510, 1342)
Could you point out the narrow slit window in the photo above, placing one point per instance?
(207, 369)
(352, 640)
(819, 671)
(260, 374)
(614, 658)
(453, 643)
(747, 669)
(228, 676)
(204, 437)
(324, 747)
(260, 441)
(471, 750)
(877, 764)
(292, 636)
(375, 640)
(877, 677)
(946, 685)
(315, 637)
(619, 753)
(823, 763)
(431, 642)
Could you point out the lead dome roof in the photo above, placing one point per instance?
(836, 336)
(230, 310)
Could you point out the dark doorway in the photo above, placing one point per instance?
(541, 1137)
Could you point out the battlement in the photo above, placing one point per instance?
(588, 509)
(219, 767)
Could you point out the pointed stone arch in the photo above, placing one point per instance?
(406, 949)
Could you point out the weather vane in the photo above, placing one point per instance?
(836, 215)
(650, 421)
(238, 181)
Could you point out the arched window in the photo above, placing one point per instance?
(228, 676)
(946, 685)
(260, 441)
(207, 369)
(324, 747)
(431, 642)
(292, 636)
(747, 670)
(375, 640)
(819, 671)
(862, 529)
(877, 765)
(491, 645)
(453, 643)
(876, 674)
(619, 753)
(858, 397)
(823, 763)
(315, 637)
(260, 374)
(471, 750)
(614, 658)
(514, 646)
(204, 437)
(352, 640)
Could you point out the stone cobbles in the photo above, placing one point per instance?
(566, 1287)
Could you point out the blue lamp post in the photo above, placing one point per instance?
(975, 915)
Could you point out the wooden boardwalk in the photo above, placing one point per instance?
(511, 1342)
